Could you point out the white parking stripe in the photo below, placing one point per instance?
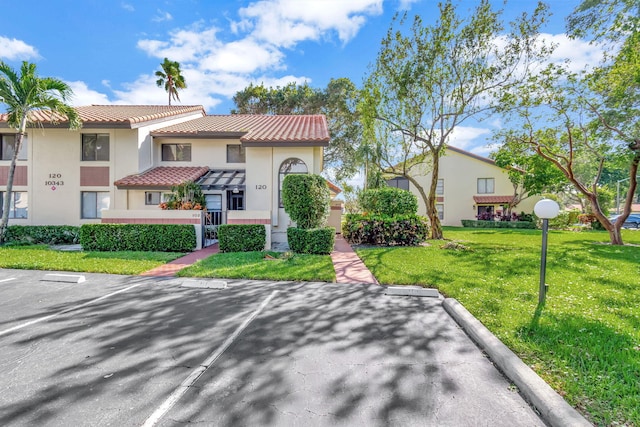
(197, 373)
(8, 280)
(66, 310)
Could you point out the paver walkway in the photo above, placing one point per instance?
(171, 268)
(348, 266)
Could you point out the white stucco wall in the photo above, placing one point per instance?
(461, 173)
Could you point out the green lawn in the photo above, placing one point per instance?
(43, 258)
(254, 265)
(586, 340)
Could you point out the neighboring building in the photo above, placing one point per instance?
(468, 185)
(125, 159)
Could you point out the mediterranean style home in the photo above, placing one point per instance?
(468, 185)
(121, 164)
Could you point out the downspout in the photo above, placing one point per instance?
(277, 203)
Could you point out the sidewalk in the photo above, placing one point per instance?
(349, 268)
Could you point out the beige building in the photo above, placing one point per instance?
(121, 165)
(468, 185)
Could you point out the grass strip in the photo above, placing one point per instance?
(40, 257)
(264, 266)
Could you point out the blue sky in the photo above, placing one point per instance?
(109, 50)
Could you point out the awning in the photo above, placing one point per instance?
(223, 179)
(162, 177)
(493, 200)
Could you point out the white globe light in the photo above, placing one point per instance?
(546, 209)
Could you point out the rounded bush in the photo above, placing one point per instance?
(389, 201)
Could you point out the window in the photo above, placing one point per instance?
(152, 197)
(289, 166)
(440, 187)
(440, 209)
(18, 206)
(95, 147)
(93, 202)
(399, 182)
(235, 154)
(176, 152)
(8, 146)
(486, 185)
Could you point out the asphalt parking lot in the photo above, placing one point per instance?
(134, 351)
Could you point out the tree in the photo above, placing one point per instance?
(529, 174)
(337, 102)
(558, 116)
(428, 80)
(171, 78)
(24, 93)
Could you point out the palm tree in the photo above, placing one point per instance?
(24, 93)
(171, 78)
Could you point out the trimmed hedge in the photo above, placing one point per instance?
(138, 237)
(242, 237)
(388, 201)
(399, 230)
(315, 241)
(306, 198)
(43, 234)
(498, 224)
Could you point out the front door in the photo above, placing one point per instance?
(235, 201)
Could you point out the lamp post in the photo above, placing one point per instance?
(545, 209)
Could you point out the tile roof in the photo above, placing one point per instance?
(162, 176)
(492, 199)
(254, 129)
(129, 116)
(334, 188)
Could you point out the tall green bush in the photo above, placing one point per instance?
(306, 199)
(388, 201)
(46, 234)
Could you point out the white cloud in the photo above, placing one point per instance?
(82, 95)
(464, 136)
(127, 6)
(285, 23)
(243, 56)
(162, 16)
(184, 45)
(13, 49)
(580, 53)
(406, 4)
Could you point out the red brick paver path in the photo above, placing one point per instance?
(170, 269)
(348, 266)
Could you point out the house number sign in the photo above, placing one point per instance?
(261, 187)
(55, 180)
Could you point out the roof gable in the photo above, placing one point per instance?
(118, 116)
(254, 130)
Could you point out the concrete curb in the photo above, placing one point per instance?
(552, 407)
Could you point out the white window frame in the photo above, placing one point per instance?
(241, 153)
(174, 152)
(5, 142)
(98, 204)
(484, 187)
(149, 194)
(440, 210)
(99, 137)
(440, 187)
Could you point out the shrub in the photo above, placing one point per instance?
(317, 241)
(389, 201)
(401, 230)
(306, 199)
(138, 237)
(242, 237)
(498, 224)
(186, 196)
(43, 234)
(564, 220)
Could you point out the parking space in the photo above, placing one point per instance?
(142, 351)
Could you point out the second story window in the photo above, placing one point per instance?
(486, 186)
(8, 147)
(440, 187)
(95, 147)
(176, 152)
(235, 154)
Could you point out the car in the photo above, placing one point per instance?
(633, 221)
